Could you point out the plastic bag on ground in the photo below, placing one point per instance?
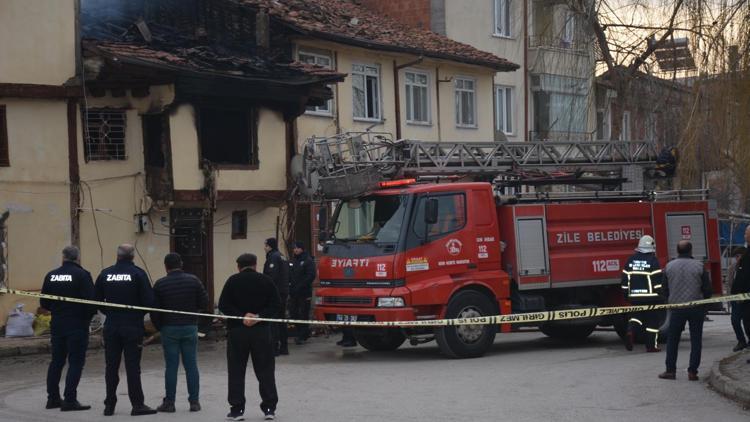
(20, 323)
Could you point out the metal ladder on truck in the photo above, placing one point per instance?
(352, 163)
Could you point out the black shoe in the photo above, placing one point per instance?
(166, 406)
(142, 410)
(53, 403)
(195, 406)
(348, 343)
(740, 345)
(236, 415)
(73, 406)
(109, 409)
(628, 341)
(269, 415)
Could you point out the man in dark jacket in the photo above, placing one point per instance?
(686, 281)
(126, 284)
(277, 268)
(642, 285)
(302, 269)
(741, 283)
(179, 291)
(250, 294)
(69, 328)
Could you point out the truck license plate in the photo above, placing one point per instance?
(346, 318)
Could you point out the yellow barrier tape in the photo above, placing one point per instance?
(567, 314)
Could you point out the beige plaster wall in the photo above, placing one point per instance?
(37, 41)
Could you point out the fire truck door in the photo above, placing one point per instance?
(687, 226)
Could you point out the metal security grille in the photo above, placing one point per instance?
(105, 134)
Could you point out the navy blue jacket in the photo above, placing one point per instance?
(68, 280)
(127, 284)
(179, 291)
(277, 268)
(302, 275)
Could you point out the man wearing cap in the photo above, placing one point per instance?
(302, 269)
(642, 285)
(277, 268)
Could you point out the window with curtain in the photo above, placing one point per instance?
(504, 109)
(366, 92)
(465, 102)
(417, 97)
(502, 18)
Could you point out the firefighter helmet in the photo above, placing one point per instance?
(646, 244)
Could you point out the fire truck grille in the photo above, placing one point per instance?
(347, 300)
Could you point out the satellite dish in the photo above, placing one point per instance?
(307, 181)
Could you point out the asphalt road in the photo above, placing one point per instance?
(525, 377)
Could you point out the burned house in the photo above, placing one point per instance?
(179, 117)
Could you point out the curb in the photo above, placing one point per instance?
(727, 386)
(42, 347)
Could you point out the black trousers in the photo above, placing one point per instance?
(677, 319)
(253, 342)
(123, 340)
(648, 322)
(280, 336)
(68, 345)
(300, 309)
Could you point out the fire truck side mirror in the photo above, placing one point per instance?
(323, 224)
(431, 211)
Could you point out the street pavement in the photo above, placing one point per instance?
(525, 377)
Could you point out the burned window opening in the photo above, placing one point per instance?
(228, 136)
(154, 131)
(104, 134)
(239, 224)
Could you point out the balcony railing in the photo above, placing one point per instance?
(552, 135)
(548, 41)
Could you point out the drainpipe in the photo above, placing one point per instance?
(525, 70)
(396, 68)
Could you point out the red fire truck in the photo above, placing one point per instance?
(403, 250)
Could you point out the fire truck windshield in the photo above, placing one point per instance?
(374, 219)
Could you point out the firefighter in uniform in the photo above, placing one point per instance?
(126, 284)
(642, 285)
(69, 328)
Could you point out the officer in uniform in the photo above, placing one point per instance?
(69, 328)
(277, 268)
(126, 284)
(642, 285)
(302, 274)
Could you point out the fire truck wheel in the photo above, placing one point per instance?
(567, 331)
(467, 341)
(380, 340)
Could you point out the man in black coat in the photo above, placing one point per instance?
(741, 283)
(302, 276)
(69, 328)
(179, 291)
(127, 284)
(277, 268)
(250, 294)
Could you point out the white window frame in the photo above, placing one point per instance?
(502, 19)
(625, 132)
(379, 103)
(410, 107)
(606, 123)
(458, 101)
(569, 29)
(508, 106)
(319, 110)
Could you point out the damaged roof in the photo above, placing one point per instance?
(210, 60)
(346, 22)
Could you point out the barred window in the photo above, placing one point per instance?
(104, 137)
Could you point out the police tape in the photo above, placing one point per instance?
(523, 318)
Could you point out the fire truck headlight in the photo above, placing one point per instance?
(390, 302)
(317, 300)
